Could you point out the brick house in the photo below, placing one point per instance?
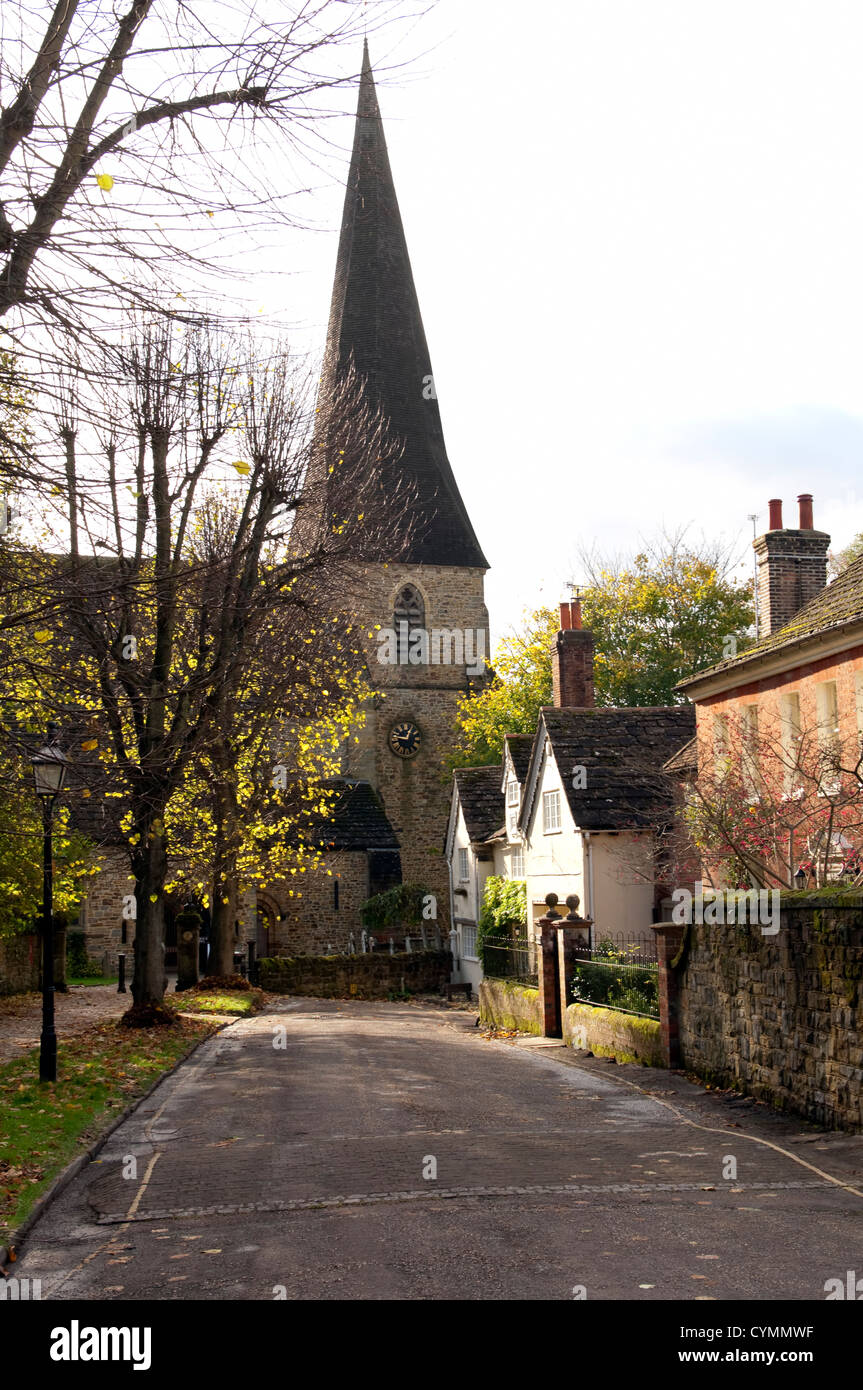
(801, 684)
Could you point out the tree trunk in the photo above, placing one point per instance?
(225, 891)
(222, 917)
(150, 866)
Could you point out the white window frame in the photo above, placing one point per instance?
(512, 792)
(516, 862)
(463, 866)
(551, 825)
(789, 705)
(467, 941)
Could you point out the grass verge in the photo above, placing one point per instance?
(43, 1126)
(217, 1001)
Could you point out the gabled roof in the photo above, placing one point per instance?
(519, 746)
(375, 324)
(837, 606)
(622, 751)
(478, 790)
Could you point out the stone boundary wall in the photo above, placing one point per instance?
(504, 1004)
(609, 1033)
(780, 1016)
(21, 962)
(374, 975)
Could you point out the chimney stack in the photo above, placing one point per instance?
(791, 565)
(572, 660)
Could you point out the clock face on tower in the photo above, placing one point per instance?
(405, 739)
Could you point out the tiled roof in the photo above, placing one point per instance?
(481, 800)
(357, 820)
(837, 605)
(519, 746)
(684, 760)
(623, 752)
(376, 326)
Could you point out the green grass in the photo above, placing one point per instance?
(216, 1001)
(44, 1125)
(93, 980)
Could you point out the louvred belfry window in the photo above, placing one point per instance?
(408, 616)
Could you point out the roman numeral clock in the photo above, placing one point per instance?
(405, 739)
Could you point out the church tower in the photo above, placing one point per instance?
(429, 600)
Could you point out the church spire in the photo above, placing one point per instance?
(375, 322)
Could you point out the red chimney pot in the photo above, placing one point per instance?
(565, 618)
(804, 502)
(775, 505)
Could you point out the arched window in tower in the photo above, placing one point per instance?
(410, 614)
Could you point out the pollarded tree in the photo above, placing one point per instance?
(152, 643)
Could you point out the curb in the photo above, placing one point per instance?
(62, 1181)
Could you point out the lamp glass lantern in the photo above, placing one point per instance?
(49, 770)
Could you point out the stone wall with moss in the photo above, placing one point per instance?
(609, 1033)
(503, 1004)
(375, 975)
(780, 1016)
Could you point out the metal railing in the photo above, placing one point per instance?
(622, 976)
(509, 957)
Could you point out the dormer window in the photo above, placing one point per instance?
(512, 793)
(409, 615)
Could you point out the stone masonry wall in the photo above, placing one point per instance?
(780, 1016)
(371, 976)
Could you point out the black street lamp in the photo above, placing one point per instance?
(49, 774)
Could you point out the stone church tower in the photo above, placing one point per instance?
(392, 823)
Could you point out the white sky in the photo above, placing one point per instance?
(636, 228)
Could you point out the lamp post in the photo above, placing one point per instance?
(49, 774)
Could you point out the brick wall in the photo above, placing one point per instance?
(780, 1016)
(370, 976)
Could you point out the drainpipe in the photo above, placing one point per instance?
(587, 853)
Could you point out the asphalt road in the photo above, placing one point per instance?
(388, 1151)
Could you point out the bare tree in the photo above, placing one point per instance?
(126, 134)
(153, 639)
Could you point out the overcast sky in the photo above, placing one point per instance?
(636, 228)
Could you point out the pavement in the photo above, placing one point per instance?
(348, 1150)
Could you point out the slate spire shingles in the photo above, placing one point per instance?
(375, 323)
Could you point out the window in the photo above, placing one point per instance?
(550, 812)
(749, 721)
(827, 712)
(720, 743)
(512, 793)
(790, 711)
(468, 941)
(335, 895)
(409, 615)
(462, 866)
(516, 863)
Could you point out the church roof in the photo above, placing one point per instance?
(375, 324)
(355, 820)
